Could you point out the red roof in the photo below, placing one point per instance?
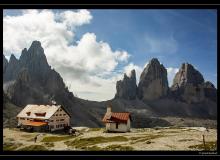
(30, 123)
(117, 117)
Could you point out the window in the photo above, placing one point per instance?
(197, 89)
(61, 119)
(51, 120)
(64, 114)
(57, 120)
(60, 114)
(28, 113)
(51, 127)
(56, 114)
(22, 118)
(38, 120)
(116, 125)
(40, 114)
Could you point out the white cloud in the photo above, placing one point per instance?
(171, 72)
(79, 18)
(20, 31)
(89, 68)
(122, 56)
(84, 66)
(138, 70)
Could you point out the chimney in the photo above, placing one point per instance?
(53, 102)
(109, 108)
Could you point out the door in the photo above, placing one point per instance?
(116, 126)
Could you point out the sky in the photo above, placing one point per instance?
(92, 49)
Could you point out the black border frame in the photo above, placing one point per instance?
(115, 153)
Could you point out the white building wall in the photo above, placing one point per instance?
(129, 124)
(59, 120)
(21, 120)
(122, 127)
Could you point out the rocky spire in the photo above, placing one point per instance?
(35, 60)
(12, 69)
(187, 74)
(209, 84)
(153, 82)
(13, 60)
(5, 63)
(210, 91)
(189, 85)
(127, 88)
(35, 48)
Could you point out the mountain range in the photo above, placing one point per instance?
(31, 80)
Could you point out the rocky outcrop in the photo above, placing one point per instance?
(210, 91)
(35, 60)
(127, 88)
(37, 83)
(187, 74)
(33, 79)
(153, 81)
(24, 76)
(12, 69)
(189, 86)
(5, 63)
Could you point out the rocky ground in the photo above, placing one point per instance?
(160, 139)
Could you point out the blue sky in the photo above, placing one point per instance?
(194, 31)
(173, 36)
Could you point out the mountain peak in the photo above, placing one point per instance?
(4, 59)
(13, 59)
(153, 82)
(127, 87)
(209, 84)
(187, 74)
(133, 74)
(24, 51)
(5, 63)
(36, 48)
(154, 61)
(36, 44)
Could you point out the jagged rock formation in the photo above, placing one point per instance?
(11, 69)
(187, 74)
(189, 85)
(153, 81)
(31, 80)
(5, 64)
(35, 60)
(210, 91)
(35, 81)
(127, 88)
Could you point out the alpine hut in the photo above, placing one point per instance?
(117, 121)
(43, 117)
